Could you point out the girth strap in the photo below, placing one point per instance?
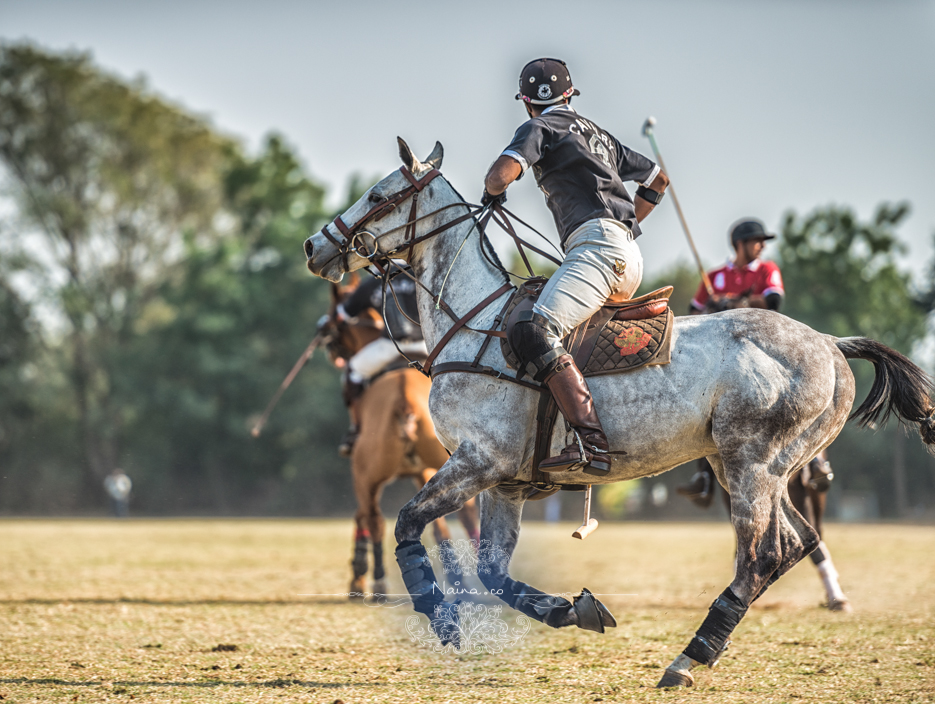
(450, 367)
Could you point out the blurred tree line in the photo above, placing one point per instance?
(841, 277)
(153, 294)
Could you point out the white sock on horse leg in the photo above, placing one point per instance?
(683, 664)
(829, 577)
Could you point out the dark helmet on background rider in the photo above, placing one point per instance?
(749, 229)
(545, 82)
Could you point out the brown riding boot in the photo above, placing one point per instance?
(589, 450)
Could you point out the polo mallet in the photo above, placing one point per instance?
(590, 524)
(648, 133)
(306, 355)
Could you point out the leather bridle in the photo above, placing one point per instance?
(354, 236)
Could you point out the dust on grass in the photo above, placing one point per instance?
(206, 611)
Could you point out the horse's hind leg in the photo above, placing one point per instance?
(771, 537)
(501, 508)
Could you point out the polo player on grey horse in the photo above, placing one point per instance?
(581, 170)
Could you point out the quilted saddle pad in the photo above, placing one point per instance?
(624, 345)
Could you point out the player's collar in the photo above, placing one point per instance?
(752, 266)
(560, 106)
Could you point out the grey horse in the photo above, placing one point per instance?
(755, 392)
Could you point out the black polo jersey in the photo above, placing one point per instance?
(580, 168)
(369, 294)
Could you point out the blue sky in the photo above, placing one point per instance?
(762, 106)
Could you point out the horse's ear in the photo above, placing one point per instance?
(435, 158)
(405, 153)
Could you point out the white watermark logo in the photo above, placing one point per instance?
(467, 626)
(477, 629)
(465, 557)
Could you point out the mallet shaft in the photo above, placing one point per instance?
(306, 355)
(647, 130)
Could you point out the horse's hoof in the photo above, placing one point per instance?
(592, 614)
(841, 605)
(379, 587)
(357, 589)
(673, 678)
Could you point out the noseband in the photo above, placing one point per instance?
(353, 235)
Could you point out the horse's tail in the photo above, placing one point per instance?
(899, 387)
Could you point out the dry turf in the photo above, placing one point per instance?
(245, 611)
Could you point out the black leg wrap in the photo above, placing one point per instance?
(418, 577)
(712, 639)
(379, 570)
(359, 563)
(819, 554)
(551, 610)
(427, 597)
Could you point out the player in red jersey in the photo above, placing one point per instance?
(746, 282)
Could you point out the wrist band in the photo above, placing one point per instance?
(649, 195)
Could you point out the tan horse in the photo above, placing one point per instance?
(396, 439)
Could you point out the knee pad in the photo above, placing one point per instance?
(537, 354)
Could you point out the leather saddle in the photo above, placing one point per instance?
(621, 336)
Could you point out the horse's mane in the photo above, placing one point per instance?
(485, 242)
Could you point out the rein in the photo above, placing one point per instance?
(353, 241)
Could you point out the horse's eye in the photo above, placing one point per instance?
(375, 198)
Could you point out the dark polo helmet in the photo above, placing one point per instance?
(545, 82)
(749, 229)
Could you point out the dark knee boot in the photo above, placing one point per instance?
(589, 449)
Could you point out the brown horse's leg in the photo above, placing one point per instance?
(359, 560)
(369, 481)
(377, 523)
(468, 515)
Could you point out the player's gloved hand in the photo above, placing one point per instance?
(487, 198)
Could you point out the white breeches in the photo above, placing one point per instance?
(371, 360)
(601, 259)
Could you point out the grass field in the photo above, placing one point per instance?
(102, 611)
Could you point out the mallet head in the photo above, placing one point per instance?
(648, 125)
